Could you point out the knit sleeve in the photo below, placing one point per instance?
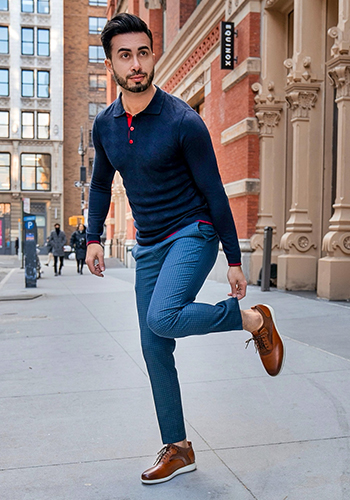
(100, 189)
(199, 154)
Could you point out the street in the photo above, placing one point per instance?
(77, 418)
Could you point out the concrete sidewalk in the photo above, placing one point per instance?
(77, 418)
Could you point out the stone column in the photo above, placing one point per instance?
(334, 268)
(268, 112)
(297, 265)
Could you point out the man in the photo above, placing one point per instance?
(57, 241)
(163, 151)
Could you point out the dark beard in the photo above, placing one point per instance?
(139, 87)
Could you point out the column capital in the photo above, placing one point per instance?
(339, 74)
(340, 46)
(268, 108)
(301, 98)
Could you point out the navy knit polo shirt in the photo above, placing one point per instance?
(169, 170)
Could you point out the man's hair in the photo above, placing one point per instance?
(121, 24)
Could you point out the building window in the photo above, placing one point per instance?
(4, 82)
(35, 172)
(28, 41)
(43, 126)
(43, 47)
(43, 84)
(5, 170)
(4, 124)
(96, 25)
(4, 40)
(96, 54)
(98, 2)
(98, 82)
(95, 108)
(91, 166)
(27, 6)
(27, 125)
(27, 83)
(43, 7)
(4, 5)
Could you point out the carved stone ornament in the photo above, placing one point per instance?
(192, 89)
(270, 3)
(340, 46)
(340, 78)
(301, 101)
(336, 244)
(300, 242)
(257, 241)
(299, 72)
(267, 120)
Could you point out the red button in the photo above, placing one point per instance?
(131, 141)
(132, 129)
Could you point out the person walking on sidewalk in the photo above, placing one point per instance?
(57, 240)
(78, 243)
(163, 151)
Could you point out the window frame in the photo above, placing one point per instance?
(29, 2)
(38, 126)
(99, 28)
(43, 2)
(36, 166)
(29, 29)
(98, 3)
(40, 85)
(96, 60)
(7, 6)
(6, 71)
(6, 167)
(7, 41)
(97, 87)
(25, 83)
(40, 44)
(5, 112)
(26, 125)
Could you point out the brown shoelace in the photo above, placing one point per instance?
(162, 453)
(260, 341)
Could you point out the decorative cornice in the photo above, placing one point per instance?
(250, 66)
(207, 44)
(301, 99)
(242, 187)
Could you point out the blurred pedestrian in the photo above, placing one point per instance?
(78, 243)
(17, 245)
(57, 240)
(49, 251)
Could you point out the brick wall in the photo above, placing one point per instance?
(77, 97)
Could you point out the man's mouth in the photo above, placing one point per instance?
(137, 78)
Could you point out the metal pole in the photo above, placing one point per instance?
(266, 266)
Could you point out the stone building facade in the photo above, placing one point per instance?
(279, 124)
(31, 121)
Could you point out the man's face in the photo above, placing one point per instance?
(132, 61)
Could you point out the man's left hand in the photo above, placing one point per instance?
(237, 281)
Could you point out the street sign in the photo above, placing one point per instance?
(228, 34)
(79, 184)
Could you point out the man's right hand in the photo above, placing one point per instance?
(95, 260)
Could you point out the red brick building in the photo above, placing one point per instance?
(187, 48)
(84, 94)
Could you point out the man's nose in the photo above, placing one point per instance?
(135, 63)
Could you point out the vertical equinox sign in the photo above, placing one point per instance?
(227, 45)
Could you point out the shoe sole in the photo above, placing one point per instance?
(182, 470)
(272, 311)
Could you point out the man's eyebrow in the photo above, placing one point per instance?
(143, 47)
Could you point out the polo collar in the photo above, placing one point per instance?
(153, 108)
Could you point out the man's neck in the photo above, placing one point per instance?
(134, 102)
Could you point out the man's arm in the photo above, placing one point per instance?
(99, 201)
(200, 156)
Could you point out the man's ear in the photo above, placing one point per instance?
(108, 64)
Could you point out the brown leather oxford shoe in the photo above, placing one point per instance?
(171, 461)
(268, 341)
